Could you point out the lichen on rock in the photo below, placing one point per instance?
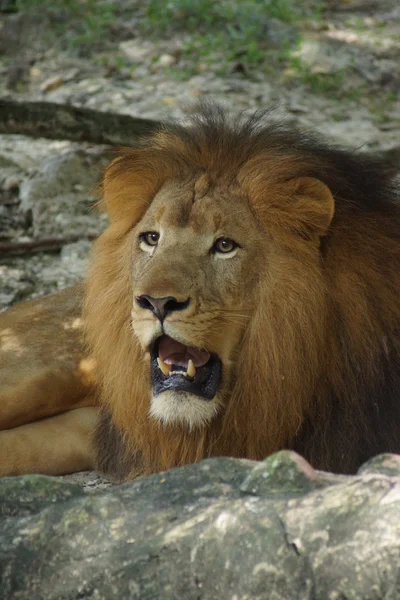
(218, 529)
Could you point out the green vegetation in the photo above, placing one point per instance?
(317, 82)
(255, 37)
(229, 29)
(235, 17)
(222, 32)
(77, 24)
(258, 36)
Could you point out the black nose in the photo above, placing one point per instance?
(161, 307)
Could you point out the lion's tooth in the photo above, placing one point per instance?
(191, 369)
(166, 369)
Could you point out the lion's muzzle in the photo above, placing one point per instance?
(177, 367)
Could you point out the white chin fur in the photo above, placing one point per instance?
(181, 408)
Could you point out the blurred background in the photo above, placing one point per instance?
(332, 65)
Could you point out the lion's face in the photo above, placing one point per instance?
(195, 265)
(205, 290)
(236, 294)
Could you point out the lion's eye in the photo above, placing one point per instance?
(150, 238)
(224, 245)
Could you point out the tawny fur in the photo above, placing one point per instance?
(306, 318)
(44, 371)
(317, 368)
(43, 367)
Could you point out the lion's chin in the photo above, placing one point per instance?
(183, 409)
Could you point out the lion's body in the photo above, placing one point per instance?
(296, 324)
(44, 371)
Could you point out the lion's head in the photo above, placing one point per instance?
(207, 303)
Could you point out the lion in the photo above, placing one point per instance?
(244, 299)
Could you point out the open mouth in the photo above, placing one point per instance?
(177, 367)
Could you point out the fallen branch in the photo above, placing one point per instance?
(61, 121)
(64, 122)
(44, 245)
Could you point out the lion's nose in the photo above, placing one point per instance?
(161, 307)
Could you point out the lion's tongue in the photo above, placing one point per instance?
(172, 352)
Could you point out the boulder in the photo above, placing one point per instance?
(221, 529)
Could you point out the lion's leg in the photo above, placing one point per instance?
(44, 368)
(41, 395)
(53, 446)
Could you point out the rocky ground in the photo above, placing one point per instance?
(342, 78)
(224, 529)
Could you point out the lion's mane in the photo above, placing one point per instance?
(318, 369)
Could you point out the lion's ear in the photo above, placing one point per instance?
(128, 187)
(312, 206)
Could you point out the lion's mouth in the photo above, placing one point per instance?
(177, 367)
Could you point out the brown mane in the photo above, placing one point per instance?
(324, 350)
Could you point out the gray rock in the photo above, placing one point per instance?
(222, 529)
(58, 194)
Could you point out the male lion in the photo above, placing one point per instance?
(245, 298)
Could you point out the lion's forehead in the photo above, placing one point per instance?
(179, 206)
